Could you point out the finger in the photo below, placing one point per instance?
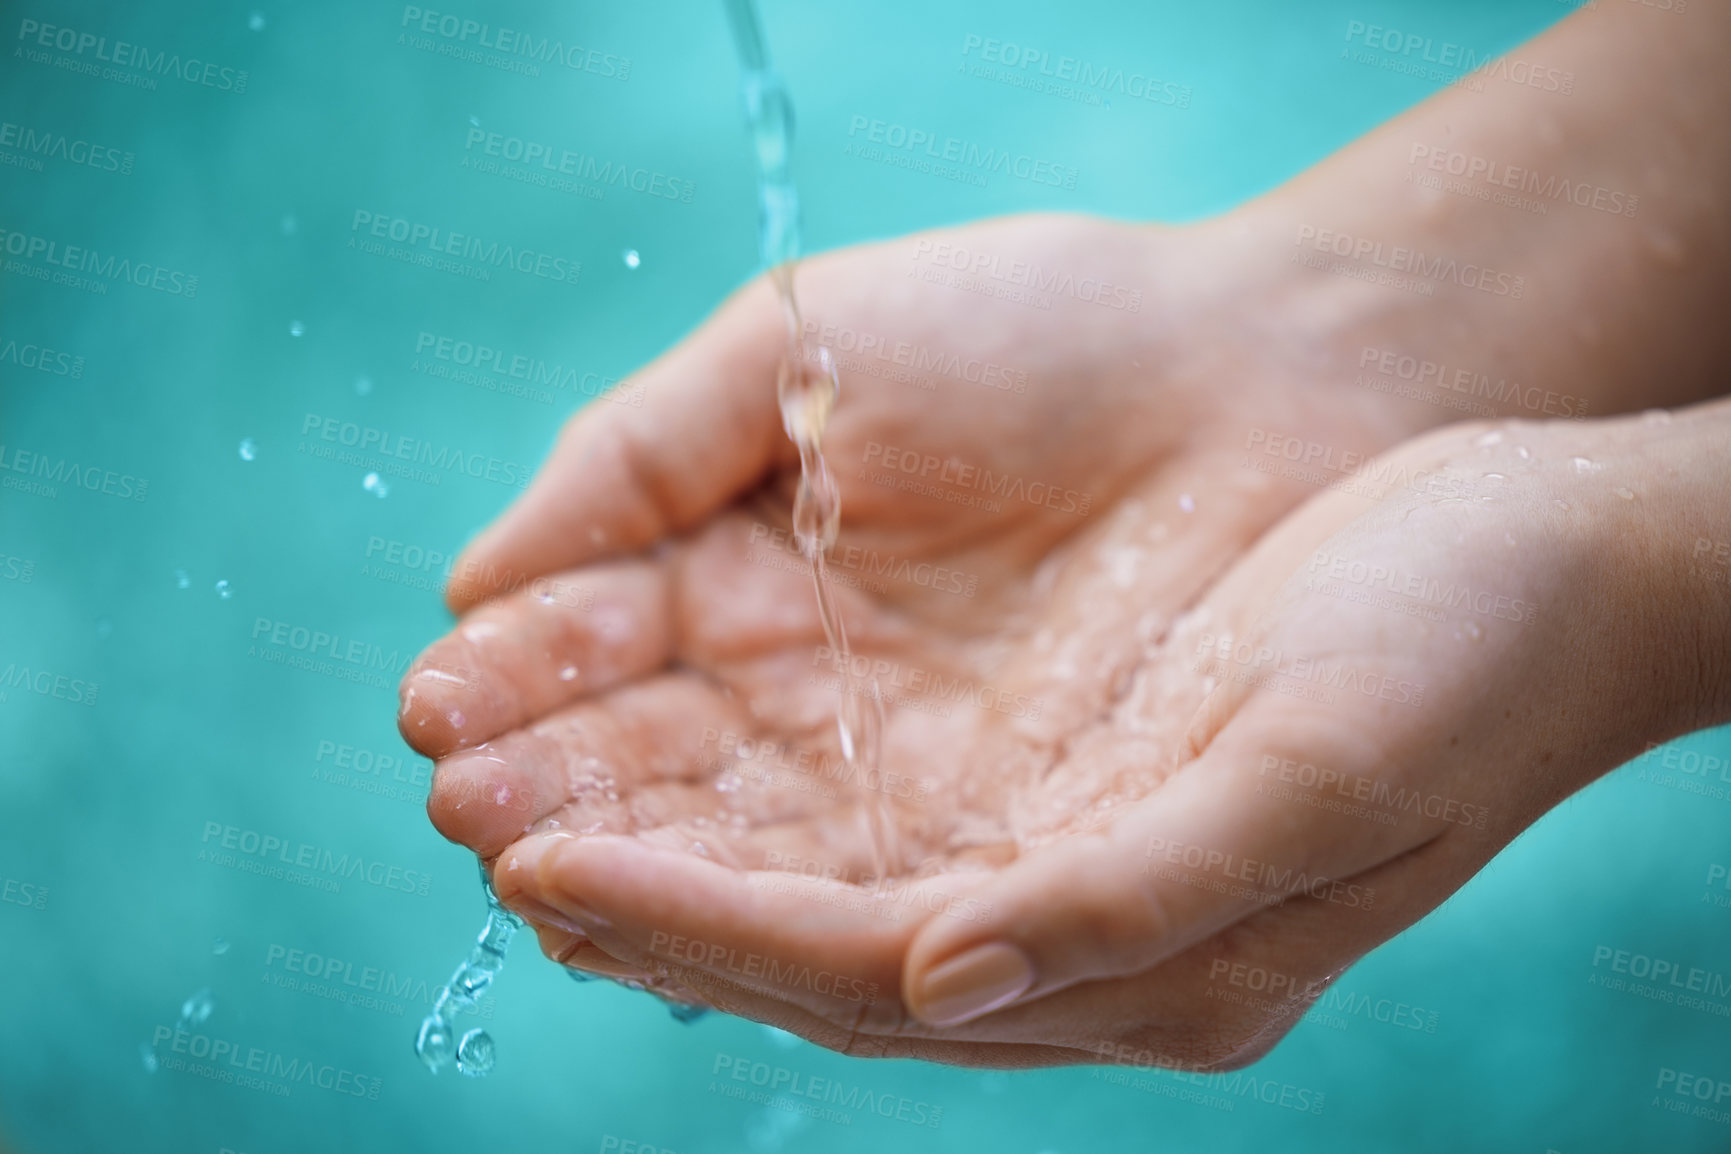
(590, 756)
(520, 658)
(624, 475)
(1203, 851)
(715, 928)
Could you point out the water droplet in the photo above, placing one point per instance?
(148, 1057)
(475, 121)
(222, 589)
(1486, 440)
(1562, 504)
(686, 1014)
(1522, 453)
(296, 329)
(544, 596)
(569, 673)
(376, 485)
(363, 386)
(456, 718)
(1495, 477)
(435, 1044)
(1626, 493)
(248, 449)
(219, 947)
(1583, 465)
(195, 1011)
(1186, 502)
(632, 259)
(182, 580)
(475, 1054)
(578, 975)
(1469, 631)
(256, 21)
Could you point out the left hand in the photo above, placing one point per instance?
(1382, 695)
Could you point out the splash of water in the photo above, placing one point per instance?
(807, 387)
(436, 1043)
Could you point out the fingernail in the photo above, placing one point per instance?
(531, 910)
(973, 984)
(528, 864)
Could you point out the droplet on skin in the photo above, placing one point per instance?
(441, 677)
(1522, 453)
(1486, 440)
(1186, 502)
(1470, 631)
(569, 673)
(456, 718)
(1625, 493)
(1583, 465)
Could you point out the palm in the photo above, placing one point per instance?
(678, 686)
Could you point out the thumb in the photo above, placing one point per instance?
(627, 472)
(1212, 845)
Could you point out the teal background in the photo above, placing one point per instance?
(106, 804)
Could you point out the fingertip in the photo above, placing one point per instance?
(481, 801)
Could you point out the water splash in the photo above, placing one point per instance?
(436, 1042)
(807, 386)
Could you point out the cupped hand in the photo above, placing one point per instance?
(1032, 490)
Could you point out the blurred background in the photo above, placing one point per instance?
(222, 312)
